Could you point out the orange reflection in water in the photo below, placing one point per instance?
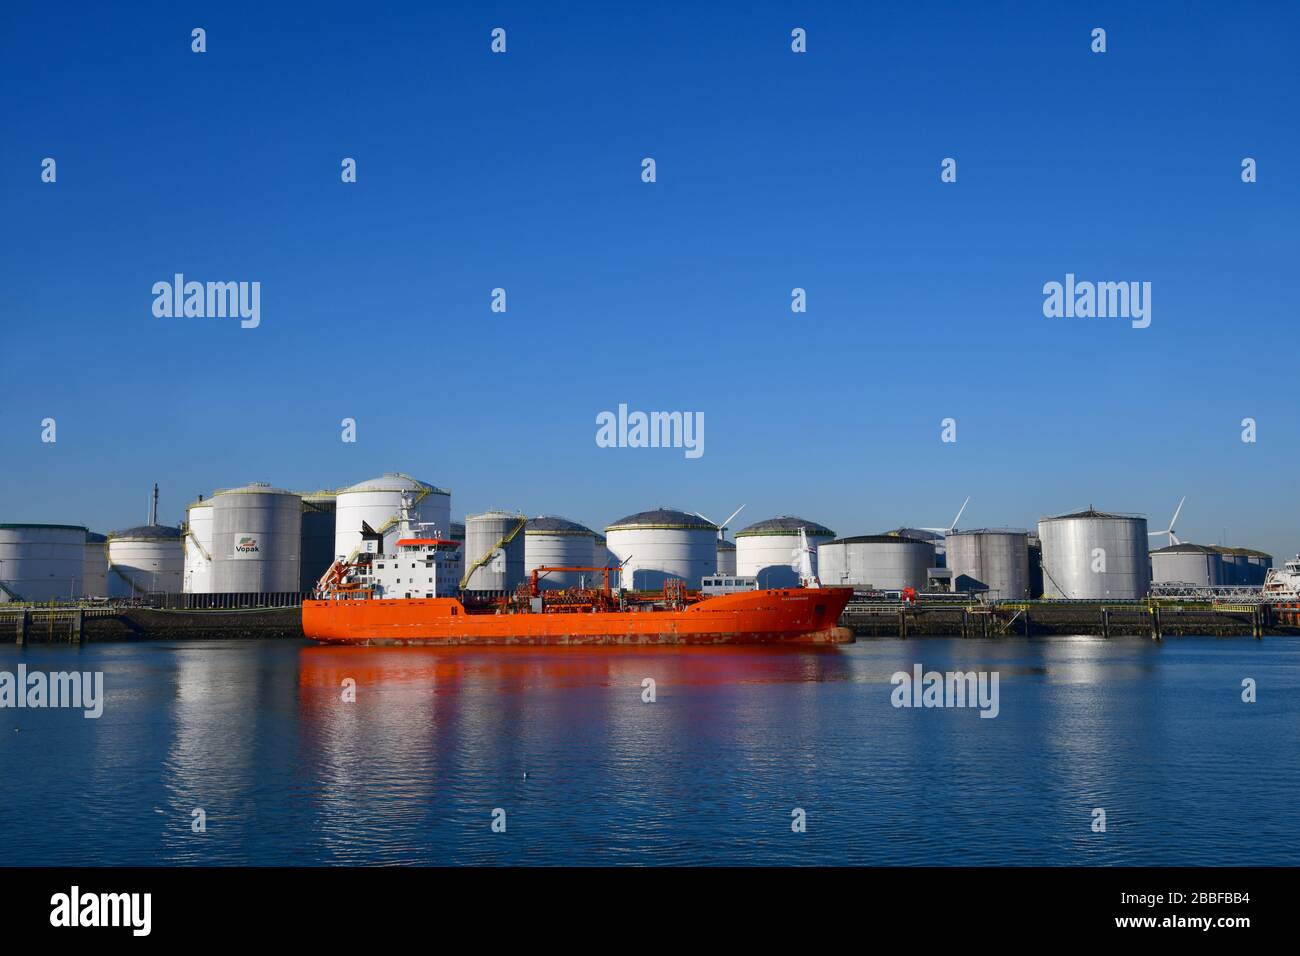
(520, 668)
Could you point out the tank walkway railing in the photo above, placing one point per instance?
(199, 544)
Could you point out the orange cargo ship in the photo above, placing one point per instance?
(793, 615)
(395, 599)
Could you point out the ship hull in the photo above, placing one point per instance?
(779, 616)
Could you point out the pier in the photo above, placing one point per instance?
(1155, 620)
(1151, 619)
(70, 624)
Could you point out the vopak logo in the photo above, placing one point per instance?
(247, 544)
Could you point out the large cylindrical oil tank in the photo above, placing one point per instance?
(600, 556)
(664, 543)
(1035, 566)
(256, 536)
(458, 535)
(726, 556)
(995, 560)
(197, 577)
(886, 562)
(377, 502)
(42, 562)
(1236, 566)
(1095, 555)
(1260, 562)
(94, 571)
(494, 549)
(316, 546)
(1193, 564)
(146, 559)
(765, 549)
(552, 541)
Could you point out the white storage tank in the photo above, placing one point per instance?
(256, 536)
(1095, 555)
(552, 541)
(94, 572)
(316, 546)
(884, 562)
(42, 562)
(144, 560)
(1185, 563)
(662, 544)
(494, 552)
(995, 560)
(377, 502)
(726, 556)
(765, 549)
(197, 577)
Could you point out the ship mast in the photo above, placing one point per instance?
(803, 562)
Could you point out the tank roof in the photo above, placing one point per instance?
(916, 534)
(23, 525)
(394, 481)
(1187, 548)
(878, 539)
(1092, 512)
(667, 518)
(725, 545)
(1252, 553)
(94, 537)
(954, 534)
(554, 524)
(785, 525)
(146, 532)
(253, 488)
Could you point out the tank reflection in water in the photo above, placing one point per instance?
(257, 736)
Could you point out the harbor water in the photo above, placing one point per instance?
(561, 749)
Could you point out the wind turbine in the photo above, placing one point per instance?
(1173, 538)
(722, 528)
(953, 527)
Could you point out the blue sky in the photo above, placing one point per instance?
(775, 170)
